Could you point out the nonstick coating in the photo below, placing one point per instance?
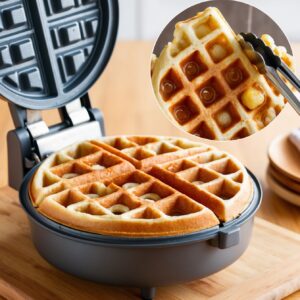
(148, 262)
(53, 51)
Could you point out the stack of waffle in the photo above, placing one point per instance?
(141, 186)
(207, 85)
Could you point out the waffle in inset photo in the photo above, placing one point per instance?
(206, 84)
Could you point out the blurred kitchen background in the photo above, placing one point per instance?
(145, 19)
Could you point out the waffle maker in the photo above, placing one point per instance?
(51, 52)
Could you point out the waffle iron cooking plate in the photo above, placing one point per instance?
(52, 51)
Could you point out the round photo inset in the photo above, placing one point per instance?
(202, 75)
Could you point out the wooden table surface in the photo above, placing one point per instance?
(124, 94)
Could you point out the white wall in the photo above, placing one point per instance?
(145, 19)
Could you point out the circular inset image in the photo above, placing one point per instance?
(210, 79)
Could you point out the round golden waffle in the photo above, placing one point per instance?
(207, 85)
(141, 186)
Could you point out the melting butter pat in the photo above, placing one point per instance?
(252, 98)
(151, 196)
(218, 52)
(224, 119)
(97, 167)
(268, 40)
(119, 209)
(202, 30)
(69, 175)
(92, 196)
(129, 185)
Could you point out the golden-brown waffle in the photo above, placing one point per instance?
(211, 178)
(144, 152)
(139, 205)
(93, 186)
(207, 85)
(75, 165)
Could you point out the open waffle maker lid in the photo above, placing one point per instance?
(52, 51)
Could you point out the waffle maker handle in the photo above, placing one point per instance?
(33, 140)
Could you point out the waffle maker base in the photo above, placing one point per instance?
(145, 263)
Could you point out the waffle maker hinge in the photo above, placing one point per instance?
(33, 140)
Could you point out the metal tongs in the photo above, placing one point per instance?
(270, 65)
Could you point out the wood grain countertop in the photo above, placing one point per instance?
(124, 94)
